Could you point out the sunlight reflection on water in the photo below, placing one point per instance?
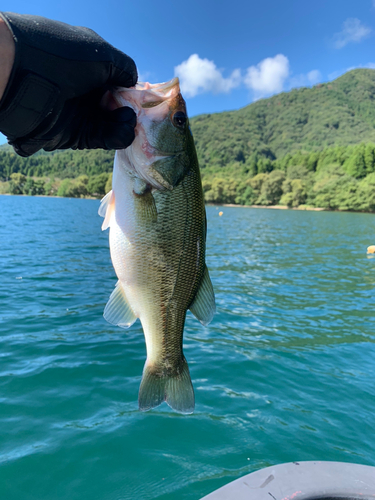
(285, 371)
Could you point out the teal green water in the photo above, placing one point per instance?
(285, 371)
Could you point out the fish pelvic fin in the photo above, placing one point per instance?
(107, 208)
(177, 389)
(203, 306)
(117, 311)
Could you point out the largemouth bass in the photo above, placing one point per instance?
(157, 222)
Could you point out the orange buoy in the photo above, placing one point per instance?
(371, 249)
(221, 213)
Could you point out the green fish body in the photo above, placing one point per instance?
(157, 222)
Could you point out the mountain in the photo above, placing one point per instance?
(313, 146)
(341, 112)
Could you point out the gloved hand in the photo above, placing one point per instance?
(59, 76)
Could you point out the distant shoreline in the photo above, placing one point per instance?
(272, 207)
(302, 208)
(275, 207)
(280, 207)
(52, 196)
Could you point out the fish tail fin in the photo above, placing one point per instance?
(177, 389)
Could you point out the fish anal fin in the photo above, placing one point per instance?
(177, 389)
(203, 306)
(106, 209)
(118, 311)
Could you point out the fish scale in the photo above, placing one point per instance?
(157, 241)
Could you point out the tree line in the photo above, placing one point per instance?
(301, 147)
(81, 187)
(336, 178)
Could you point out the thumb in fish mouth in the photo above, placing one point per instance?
(112, 129)
(117, 123)
(108, 102)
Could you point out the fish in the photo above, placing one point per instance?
(157, 224)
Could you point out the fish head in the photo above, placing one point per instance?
(159, 154)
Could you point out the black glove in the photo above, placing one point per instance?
(60, 74)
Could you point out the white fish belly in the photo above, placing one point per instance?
(132, 261)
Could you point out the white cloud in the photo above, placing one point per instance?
(314, 76)
(268, 76)
(352, 31)
(201, 75)
(305, 80)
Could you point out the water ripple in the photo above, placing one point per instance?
(284, 372)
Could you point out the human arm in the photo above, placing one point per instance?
(7, 51)
(54, 92)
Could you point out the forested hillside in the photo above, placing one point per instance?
(311, 146)
(341, 112)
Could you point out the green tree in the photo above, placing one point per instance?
(17, 183)
(245, 194)
(73, 188)
(312, 161)
(294, 193)
(264, 165)
(97, 184)
(355, 164)
(366, 194)
(257, 182)
(28, 187)
(369, 158)
(271, 189)
(39, 187)
(108, 184)
(220, 190)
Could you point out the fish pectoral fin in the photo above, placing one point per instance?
(177, 390)
(203, 306)
(118, 311)
(147, 207)
(106, 209)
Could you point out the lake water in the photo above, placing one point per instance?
(285, 372)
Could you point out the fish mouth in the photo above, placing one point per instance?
(160, 92)
(152, 103)
(158, 87)
(146, 95)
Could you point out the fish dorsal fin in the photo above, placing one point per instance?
(106, 208)
(118, 311)
(203, 306)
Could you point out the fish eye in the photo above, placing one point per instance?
(179, 119)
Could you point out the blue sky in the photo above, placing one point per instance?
(227, 54)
